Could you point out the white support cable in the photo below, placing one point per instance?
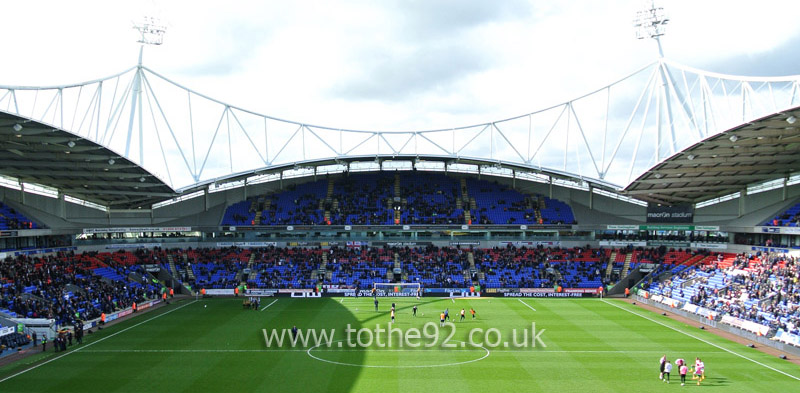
(436, 144)
(499, 131)
(323, 140)
(394, 152)
(14, 99)
(247, 135)
(33, 107)
(158, 138)
(410, 137)
(117, 114)
(630, 121)
(299, 127)
(641, 130)
(150, 92)
(585, 141)
(85, 115)
(97, 111)
(228, 129)
(472, 139)
(210, 145)
(191, 134)
(555, 123)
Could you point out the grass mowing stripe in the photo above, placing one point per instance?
(92, 343)
(700, 339)
(529, 306)
(265, 307)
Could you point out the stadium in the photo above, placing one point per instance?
(154, 238)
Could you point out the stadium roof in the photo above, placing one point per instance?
(547, 173)
(758, 151)
(40, 154)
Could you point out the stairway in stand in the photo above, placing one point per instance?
(329, 202)
(472, 268)
(610, 267)
(627, 266)
(171, 262)
(464, 200)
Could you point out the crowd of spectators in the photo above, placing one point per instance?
(278, 267)
(669, 236)
(11, 219)
(418, 198)
(64, 287)
(761, 288)
(788, 218)
(360, 199)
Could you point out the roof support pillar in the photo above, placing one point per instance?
(205, 199)
(783, 189)
(62, 206)
(591, 197)
(513, 179)
(21, 192)
(742, 195)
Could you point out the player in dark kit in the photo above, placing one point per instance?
(376, 304)
(414, 310)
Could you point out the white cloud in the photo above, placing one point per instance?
(382, 65)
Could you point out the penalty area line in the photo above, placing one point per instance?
(93, 342)
(702, 340)
(529, 306)
(265, 307)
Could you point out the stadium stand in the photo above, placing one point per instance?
(68, 286)
(12, 219)
(407, 198)
(753, 287)
(788, 218)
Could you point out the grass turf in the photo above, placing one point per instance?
(214, 345)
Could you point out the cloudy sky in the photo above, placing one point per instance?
(392, 65)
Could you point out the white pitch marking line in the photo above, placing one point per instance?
(265, 307)
(700, 339)
(94, 342)
(529, 306)
(308, 352)
(324, 349)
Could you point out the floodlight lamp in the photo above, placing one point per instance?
(658, 175)
(734, 138)
(111, 161)
(790, 120)
(71, 144)
(141, 179)
(691, 157)
(151, 31)
(18, 127)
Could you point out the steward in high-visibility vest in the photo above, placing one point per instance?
(171, 292)
(134, 306)
(203, 291)
(236, 291)
(164, 296)
(103, 318)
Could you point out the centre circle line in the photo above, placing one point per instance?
(308, 352)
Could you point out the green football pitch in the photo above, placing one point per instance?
(214, 345)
